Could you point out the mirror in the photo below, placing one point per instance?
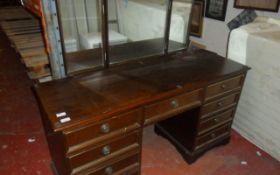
(80, 24)
(136, 29)
(179, 24)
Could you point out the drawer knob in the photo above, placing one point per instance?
(220, 104)
(224, 86)
(105, 128)
(174, 103)
(109, 170)
(106, 150)
(213, 135)
(216, 120)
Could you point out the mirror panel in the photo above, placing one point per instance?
(81, 32)
(136, 28)
(179, 24)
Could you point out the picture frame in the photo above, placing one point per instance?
(216, 9)
(197, 18)
(265, 5)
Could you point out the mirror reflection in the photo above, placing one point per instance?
(136, 28)
(179, 24)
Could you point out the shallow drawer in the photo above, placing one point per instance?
(111, 149)
(160, 110)
(220, 88)
(126, 166)
(107, 129)
(213, 122)
(216, 134)
(219, 105)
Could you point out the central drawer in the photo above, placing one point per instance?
(104, 130)
(163, 109)
(106, 150)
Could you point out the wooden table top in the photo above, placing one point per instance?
(93, 96)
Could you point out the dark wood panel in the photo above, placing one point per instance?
(172, 106)
(111, 148)
(220, 88)
(204, 140)
(125, 122)
(109, 108)
(215, 121)
(130, 85)
(219, 105)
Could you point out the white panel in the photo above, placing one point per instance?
(257, 117)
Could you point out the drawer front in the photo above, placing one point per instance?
(208, 138)
(219, 105)
(160, 110)
(220, 88)
(215, 121)
(127, 166)
(111, 149)
(112, 127)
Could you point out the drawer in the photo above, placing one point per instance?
(215, 121)
(223, 87)
(127, 166)
(216, 134)
(109, 150)
(219, 105)
(161, 110)
(104, 130)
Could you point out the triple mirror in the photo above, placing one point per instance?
(120, 30)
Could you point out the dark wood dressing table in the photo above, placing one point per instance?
(190, 97)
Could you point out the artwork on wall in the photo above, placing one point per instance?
(267, 5)
(197, 18)
(216, 9)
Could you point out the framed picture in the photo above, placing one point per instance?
(216, 9)
(267, 5)
(197, 18)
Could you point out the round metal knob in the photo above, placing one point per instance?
(220, 104)
(106, 150)
(216, 120)
(105, 128)
(109, 170)
(223, 86)
(174, 103)
(213, 135)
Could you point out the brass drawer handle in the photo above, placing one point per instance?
(216, 120)
(106, 150)
(109, 170)
(224, 86)
(105, 128)
(174, 103)
(220, 104)
(213, 135)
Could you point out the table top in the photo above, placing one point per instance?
(93, 96)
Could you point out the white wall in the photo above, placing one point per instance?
(215, 33)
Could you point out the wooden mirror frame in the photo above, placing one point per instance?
(105, 36)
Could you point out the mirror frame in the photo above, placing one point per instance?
(105, 36)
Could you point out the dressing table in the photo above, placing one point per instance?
(94, 121)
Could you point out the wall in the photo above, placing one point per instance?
(215, 33)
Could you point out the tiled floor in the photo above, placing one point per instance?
(23, 148)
